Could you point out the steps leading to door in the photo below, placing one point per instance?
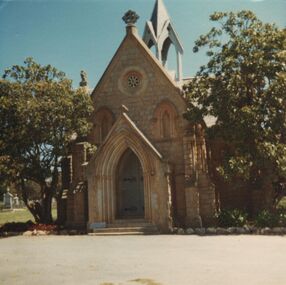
(126, 228)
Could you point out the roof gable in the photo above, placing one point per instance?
(132, 40)
(125, 125)
(124, 120)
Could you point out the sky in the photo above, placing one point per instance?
(75, 35)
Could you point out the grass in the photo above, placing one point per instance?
(19, 215)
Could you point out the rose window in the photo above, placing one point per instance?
(133, 81)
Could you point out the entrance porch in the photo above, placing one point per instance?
(128, 181)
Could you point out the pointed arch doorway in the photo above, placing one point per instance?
(130, 187)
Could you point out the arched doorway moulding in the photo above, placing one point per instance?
(106, 166)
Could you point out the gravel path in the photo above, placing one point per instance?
(149, 260)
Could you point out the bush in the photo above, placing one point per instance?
(282, 217)
(232, 218)
(271, 219)
(266, 219)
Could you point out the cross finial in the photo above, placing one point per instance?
(130, 18)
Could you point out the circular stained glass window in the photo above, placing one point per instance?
(133, 81)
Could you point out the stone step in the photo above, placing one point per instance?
(126, 229)
(130, 225)
(116, 229)
(130, 221)
(119, 234)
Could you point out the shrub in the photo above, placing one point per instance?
(232, 218)
(282, 217)
(266, 219)
(271, 219)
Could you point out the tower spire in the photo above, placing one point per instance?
(159, 16)
(159, 32)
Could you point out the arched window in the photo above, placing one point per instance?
(165, 118)
(104, 127)
(166, 125)
(102, 123)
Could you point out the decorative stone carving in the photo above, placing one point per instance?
(133, 81)
(130, 17)
(83, 82)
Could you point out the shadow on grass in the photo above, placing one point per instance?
(18, 227)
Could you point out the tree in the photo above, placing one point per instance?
(243, 86)
(40, 113)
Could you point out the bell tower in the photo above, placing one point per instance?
(159, 32)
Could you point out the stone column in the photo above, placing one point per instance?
(78, 159)
(205, 187)
(168, 174)
(62, 202)
(179, 66)
(193, 218)
(77, 206)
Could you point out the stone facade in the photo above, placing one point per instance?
(139, 108)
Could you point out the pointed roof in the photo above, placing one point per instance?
(134, 39)
(160, 17)
(124, 119)
(160, 27)
(124, 124)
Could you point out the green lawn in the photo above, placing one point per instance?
(19, 215)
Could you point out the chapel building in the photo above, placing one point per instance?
(150, 167)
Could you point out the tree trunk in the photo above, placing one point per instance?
(46, 206)
(61, 210)
(41, 210)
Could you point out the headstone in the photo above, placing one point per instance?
(16, 201)
(8, 200)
